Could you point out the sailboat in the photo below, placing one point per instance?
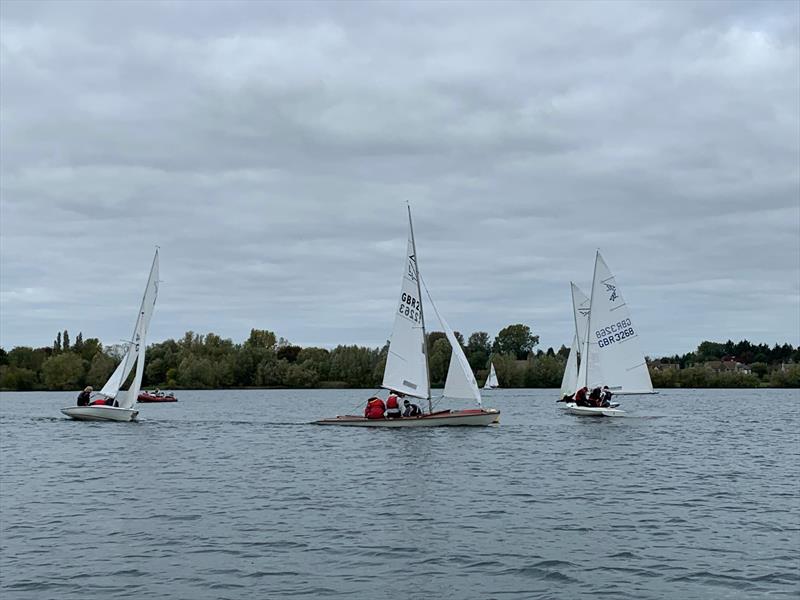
(491, 380)
(124, 400)
(611, 353)
(406, 368)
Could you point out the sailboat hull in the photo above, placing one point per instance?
(100, 413)
(593, 411)
(450, 418)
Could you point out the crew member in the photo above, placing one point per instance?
(392, 407)
(375, 408)
(85, 396)
(580, 397)
(411, 410)
(605, 398)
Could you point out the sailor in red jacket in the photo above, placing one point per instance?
(393, 406)
(375, 408)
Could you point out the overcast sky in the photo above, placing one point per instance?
(269, 150)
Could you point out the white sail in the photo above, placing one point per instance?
(569, 382)
(460, 382)
(135, 352)
(491, 380)
(580, 311)
(407, 362)
(613, 354)
(111, 387)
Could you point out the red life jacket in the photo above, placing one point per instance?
(375, 408)
(100, 402)
(391, 402)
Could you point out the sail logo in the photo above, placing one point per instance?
(412, 267)
(584, 312)
(613, 290)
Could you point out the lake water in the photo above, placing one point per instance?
(232, 495)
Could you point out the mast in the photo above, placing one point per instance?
(421, 314)
(589, 321)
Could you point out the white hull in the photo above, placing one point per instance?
(477, 418)
(593, 411)
(100, 413)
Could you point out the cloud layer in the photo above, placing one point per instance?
(269, 149)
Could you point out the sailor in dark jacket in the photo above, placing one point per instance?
(85, 395)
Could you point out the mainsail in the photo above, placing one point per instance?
(407, 362)
(135, 351)
(613, 354)
(491, 380)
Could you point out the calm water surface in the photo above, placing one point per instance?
(231, 495)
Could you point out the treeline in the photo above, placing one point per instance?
(265, 360)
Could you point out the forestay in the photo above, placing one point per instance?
(614, 354)
(407, 362)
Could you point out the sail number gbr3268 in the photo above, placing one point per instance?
(614, 333)
(409, 307)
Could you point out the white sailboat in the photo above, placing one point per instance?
(611, 354)
(491, 380)
(406, 368)
(124, 400)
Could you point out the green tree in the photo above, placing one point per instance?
(100, 369)
(439, 361)
(64, 371)
(65, 343)
(516, 340)
(17, 379)
(57, 344)
(478, 350)
(261, 338)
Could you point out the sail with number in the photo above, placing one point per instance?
(407, 362)
(491, 380)
(134, 354)
(613, 354)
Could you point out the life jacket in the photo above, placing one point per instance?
(375, 408)
(100, 402)
(391, 402)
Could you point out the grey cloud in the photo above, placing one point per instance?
(269, 149)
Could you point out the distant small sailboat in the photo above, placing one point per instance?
(491, 380)
(134, 355)
(406, 368)
(611, 353)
